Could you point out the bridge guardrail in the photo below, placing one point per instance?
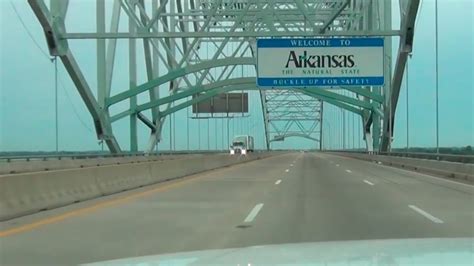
(451, 169)
(459, 158)
(27, 193)
(74, 156)
(49, 162)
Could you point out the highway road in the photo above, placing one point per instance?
(291, 198)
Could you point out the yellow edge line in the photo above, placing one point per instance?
(55, 219)
(74, 213)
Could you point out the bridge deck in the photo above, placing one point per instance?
(290, 198)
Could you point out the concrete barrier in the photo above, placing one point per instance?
(462, 171)
(113, 179)
(15, 167)
(27, 193)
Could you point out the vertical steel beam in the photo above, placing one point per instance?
(263, 102)
(59, 8)
(111, 46)
(53, 27)
(171, 62)
(173, 47)
(343, 129)
(375, 126)
(132, 71)
(321, 117)
(387, 92)
(155, 55)
(407, 26)
(265, 119)
(148, 62)
(368, 24)
(333, 16)
(58, 12)
(101, 66)
(152, 64)
(155, 135)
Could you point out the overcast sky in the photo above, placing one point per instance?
(27, 88)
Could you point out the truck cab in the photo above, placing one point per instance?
(241, 145)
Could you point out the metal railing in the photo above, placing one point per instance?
(459, 158)
(76, 156)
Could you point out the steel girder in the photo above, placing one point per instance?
(291, 113)
(52, 22)
(408, 12)
(266, 121)
(206, 47)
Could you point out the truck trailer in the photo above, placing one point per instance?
(241, 145)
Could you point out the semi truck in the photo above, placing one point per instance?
(241, 145)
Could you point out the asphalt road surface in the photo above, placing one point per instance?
(290, 198)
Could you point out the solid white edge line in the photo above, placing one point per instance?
(425, 175)
(427, 215)
(368, 182)
(278, 182)
(415, 173)
(253, 213)
(349, 171)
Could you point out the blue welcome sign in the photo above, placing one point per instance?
(320, 62)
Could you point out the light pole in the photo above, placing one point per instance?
(208, 134)
(437, 79)
(408, 128)
(187, 128)
(228, 140)
(56, 101)
(174, 130)
(171, 132)
(215, 132)
(199, 134)
(222, 132)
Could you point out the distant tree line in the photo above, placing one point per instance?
(467, 150)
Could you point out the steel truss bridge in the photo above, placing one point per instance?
(207, 47)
